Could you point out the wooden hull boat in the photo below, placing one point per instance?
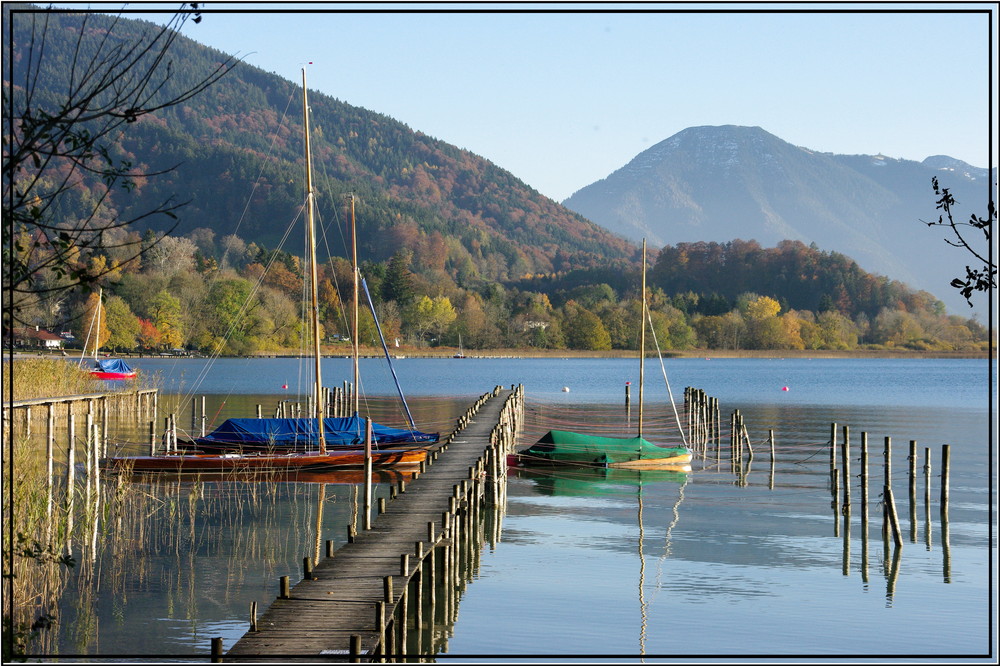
(250, 462)
(336, 476)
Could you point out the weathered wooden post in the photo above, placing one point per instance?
(913, 490)
(945, 469)
(833, 445)
(70, 475)
(886, 483)
(845, 461)
(50, 441)
(217, 650)
(355, 648)
(927, 497)
(864, 480)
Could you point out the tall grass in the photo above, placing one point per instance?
(50, 378)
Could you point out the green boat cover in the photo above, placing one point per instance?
(572, 447)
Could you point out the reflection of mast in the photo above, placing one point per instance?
(666, 539)
(642, 570)
(319, 519)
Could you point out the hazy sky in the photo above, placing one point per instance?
(565, 97)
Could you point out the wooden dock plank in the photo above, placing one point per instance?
(321, 614)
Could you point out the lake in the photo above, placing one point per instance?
(713, 563)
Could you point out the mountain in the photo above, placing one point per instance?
(728, 182)
(234, 154)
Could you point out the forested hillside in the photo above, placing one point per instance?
(450, 244)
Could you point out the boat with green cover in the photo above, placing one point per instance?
(565, 447)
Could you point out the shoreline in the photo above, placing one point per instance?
(445, 353)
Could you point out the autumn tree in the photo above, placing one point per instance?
(149, 336)
(122, 324)
(60, 145)
(165, 313)
(584, 329)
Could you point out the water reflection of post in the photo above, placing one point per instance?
(945, 541)
(847, 544)
(864, 507)
(893, 575)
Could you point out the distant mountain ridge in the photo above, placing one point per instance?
(718, 183)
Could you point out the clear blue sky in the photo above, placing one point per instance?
(563, 99)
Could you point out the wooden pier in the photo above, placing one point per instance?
(359, 603)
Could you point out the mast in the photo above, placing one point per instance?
(354, 324)
(642, 335)
(97, 337)
(313, 272)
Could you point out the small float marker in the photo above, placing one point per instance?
(284, 386)
(784, 388)
(565, 389)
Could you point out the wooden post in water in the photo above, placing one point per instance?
(913, 490)
(927, 496)
(70, 474)
(88, 440)
(845, 461)
(833, 445)
(259, 410)
(897, 535)
(886, 485)
(104, 427)
(50, 441)
(864, 480)
(204, 417)
(945, 469)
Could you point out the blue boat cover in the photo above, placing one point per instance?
(347, 431)
(113, 365)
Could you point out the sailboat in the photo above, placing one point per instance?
(104, 368)
(574, 448)
(283, 444)
(460, 354)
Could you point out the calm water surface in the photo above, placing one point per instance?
(710, 563)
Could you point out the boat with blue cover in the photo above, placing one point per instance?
(302, 434)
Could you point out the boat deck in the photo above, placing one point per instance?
(319, 616)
